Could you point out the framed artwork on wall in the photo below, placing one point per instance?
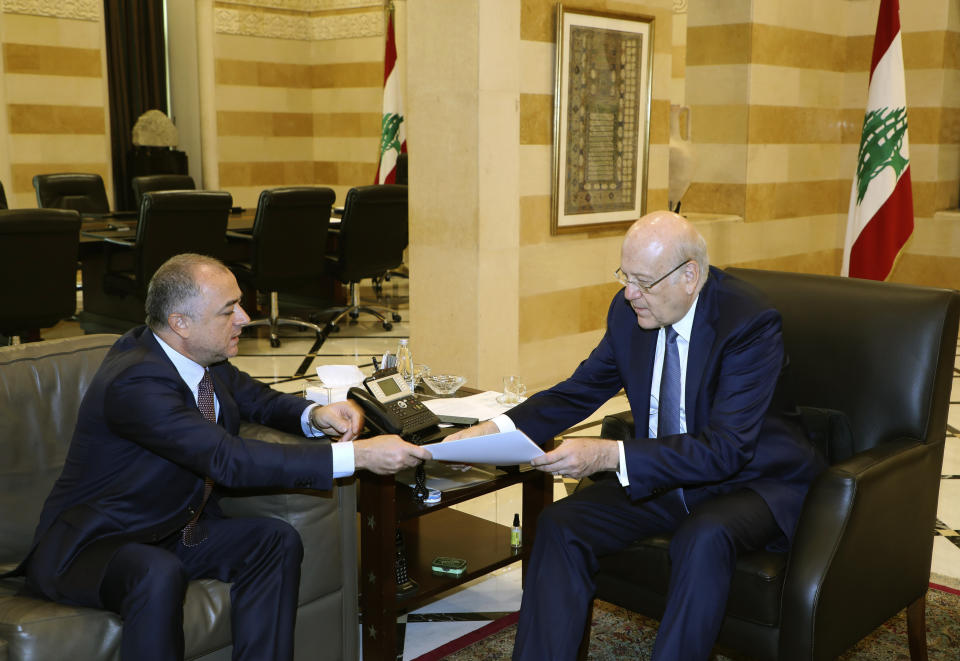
(601, 119)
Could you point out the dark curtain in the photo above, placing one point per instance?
(136, 65)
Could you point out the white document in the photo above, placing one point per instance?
(482, 406)
(502, 449)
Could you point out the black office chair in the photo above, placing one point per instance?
(871, 366)
(170, 223)
(38, 266)
(72, 190)
(289, 231)
(371, 239)
(158, 182)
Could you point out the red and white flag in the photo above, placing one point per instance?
(881, 202)
(393, 139)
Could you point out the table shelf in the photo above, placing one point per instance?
(483, 544)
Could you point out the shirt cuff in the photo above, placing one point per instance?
(306, 425)
(622, 473)
(342, 459)
(503, 423)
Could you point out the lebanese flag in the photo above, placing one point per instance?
(393, 135)
(881, 202)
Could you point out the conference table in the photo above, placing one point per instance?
(122, 227)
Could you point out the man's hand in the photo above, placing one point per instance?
(579, 457)
(384, 455)
(343, 419)
(484, 428)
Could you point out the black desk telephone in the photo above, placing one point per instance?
(390, 407)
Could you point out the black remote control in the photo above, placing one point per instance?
(457, 420)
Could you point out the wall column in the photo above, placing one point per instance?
(463, 136)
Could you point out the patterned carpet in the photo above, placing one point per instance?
(619, 634)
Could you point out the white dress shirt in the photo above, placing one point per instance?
(191, 372)
(684, 328)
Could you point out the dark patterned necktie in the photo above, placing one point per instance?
(668, 416)
(193, 533)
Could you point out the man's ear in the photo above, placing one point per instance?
(691, 274)
(179, 323)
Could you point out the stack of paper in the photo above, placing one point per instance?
(503, 449)
(481, 406)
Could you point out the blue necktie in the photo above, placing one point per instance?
(668, 417)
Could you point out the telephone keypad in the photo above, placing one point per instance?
(411, 411)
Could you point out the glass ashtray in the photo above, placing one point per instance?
(444, 384)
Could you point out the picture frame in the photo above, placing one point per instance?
(601, 122)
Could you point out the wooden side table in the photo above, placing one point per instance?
(430, 531)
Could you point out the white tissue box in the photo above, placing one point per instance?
(324, 395)
(332, 383)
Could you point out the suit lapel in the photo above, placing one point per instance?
(229, 417)
(701, 344)
(643, 352)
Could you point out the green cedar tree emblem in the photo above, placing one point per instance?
(880, 146)
(388, 132)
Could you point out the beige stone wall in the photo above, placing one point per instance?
(777, 91)
(297, 94)
(53, 94)
(566, 281)
(291, 94)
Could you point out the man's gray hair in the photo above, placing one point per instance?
(692, 246)
(175, 289)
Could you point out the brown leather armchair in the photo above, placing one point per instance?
(871, 367)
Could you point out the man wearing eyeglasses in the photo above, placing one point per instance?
(716, 464)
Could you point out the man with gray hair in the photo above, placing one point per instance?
(134, 515)
(714, 461)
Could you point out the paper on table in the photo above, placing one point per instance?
(503, 449)
(481, 406)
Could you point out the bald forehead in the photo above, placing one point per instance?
(659, 231)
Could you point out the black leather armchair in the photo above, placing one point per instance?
(157, 182)
(70, 190)
(871, 366)
(290, 228)
(170, 223)
(38, 266)
(370, 242)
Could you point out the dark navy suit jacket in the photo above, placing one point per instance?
(738, 436)
(141, 448)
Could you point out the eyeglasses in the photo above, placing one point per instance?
(645, 288)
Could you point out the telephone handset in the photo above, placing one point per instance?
(390, 407)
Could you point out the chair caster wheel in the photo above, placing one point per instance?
(396, 317)
(387, 326)
(354, 315)
(274, 342)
